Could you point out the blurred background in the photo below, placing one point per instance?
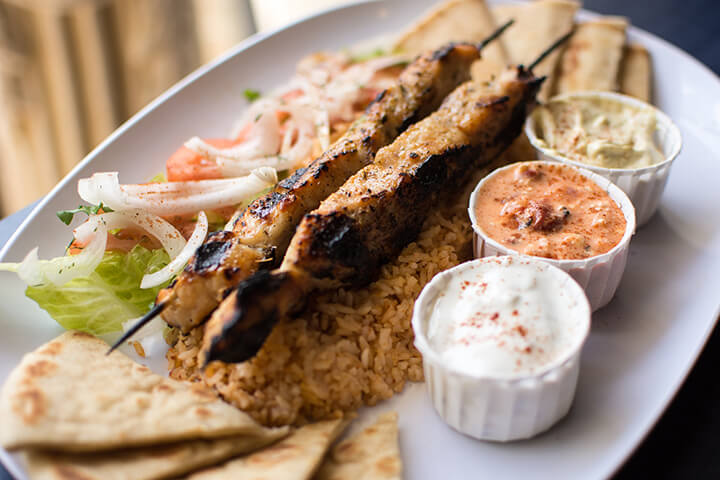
(71, 71)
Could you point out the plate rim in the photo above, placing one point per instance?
(636, 438)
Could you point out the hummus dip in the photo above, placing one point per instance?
(598, 131)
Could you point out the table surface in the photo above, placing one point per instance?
(684, 442)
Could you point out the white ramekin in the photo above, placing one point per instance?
(600, 275)
(494, 407)
(644, 185)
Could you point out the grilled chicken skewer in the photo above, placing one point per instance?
(377, 212)
(265, 228)
(262, 233)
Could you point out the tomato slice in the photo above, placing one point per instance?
(292, 94)
(184, 164)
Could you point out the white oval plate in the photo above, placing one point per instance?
(641, 347)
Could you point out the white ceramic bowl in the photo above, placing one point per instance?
(494, 407)
(644, 185)
(600, 275)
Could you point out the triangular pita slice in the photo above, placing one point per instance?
(635, 72)
(537, 25)
(146, 463)
(297, 457)
(69, 395)
(373, 454)
(456, 21)
(592, 58)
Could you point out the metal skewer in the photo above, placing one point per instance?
(158, 308)
(550, 49)
(493, 36)
(154, 312)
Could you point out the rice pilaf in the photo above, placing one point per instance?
(351, 347)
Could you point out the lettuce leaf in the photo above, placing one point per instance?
(100, 303)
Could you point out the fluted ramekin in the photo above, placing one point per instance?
(600, 275)
(495, 407)
(644, 185)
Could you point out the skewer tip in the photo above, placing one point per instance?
(557, 43)
(154, 312)
(493, 36)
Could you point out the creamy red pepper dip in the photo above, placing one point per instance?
(548, 210)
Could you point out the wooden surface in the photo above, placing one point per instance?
(72, 70)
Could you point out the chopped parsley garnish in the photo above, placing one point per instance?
(159, 178)
(66, 216)
(362, 57)
(251, 95)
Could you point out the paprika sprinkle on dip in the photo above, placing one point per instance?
(548, 210)
(505, 316)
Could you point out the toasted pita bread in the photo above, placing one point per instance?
(294, 458)
(591, 60)
(537, 25)
(635, 74)
(373, 454)
(457, 21)
(69, 396)
(147, 463)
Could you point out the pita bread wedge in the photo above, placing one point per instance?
(457, 21)
(372, 454)
(146, 463)
(537, 25)
(297, 457)
(635, 72)
(69, 396)
(591, 60)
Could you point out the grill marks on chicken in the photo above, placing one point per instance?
(262, 233)
(377, 211)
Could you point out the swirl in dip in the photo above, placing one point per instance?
(548, 210)
(506, 316)
(598, 131)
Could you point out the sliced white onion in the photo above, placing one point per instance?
(263, 141)
(300, 151)
(150, 336)
(269, 175)
(330, 90)
(259, 107)
(13, 266)
(178, 263)
(175, 198)
(61, 270)
(330, 62)
(322, 122)
(234, 169)
(93, 233)
(297, 143)
(156, 325)
(230, 225)
(168, 236)
(338, 96)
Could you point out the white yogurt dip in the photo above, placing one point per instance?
(492, 373)
(504, 317)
